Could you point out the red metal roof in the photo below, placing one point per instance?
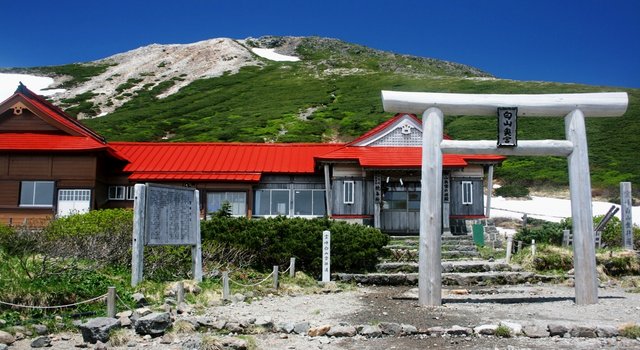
(389, 157)
(47, 142)
(219, 161)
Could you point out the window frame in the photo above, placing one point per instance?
(246, 201)
(348, 192)
(467, 189)
(270, 211)
(314, 192)
(33, 197)
(117, 197)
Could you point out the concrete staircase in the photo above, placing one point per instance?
(461, 266)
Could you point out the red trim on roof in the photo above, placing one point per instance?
(388, 157)
(48, 142)
(55, 113)
(351, 216)
(386, 124)
(184, 176)
(467, 217)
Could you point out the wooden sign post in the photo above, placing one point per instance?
(627, 221)
(326, 256)
(165, 215)
(574, 108)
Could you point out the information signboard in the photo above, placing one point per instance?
(171, 215)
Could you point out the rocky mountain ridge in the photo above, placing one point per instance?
(168, 68)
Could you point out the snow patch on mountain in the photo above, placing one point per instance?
(270, 54)
(9, 83)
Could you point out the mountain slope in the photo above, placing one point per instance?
(331, 94)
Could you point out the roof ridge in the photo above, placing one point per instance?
(24, 91)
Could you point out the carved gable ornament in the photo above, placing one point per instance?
(17, 108)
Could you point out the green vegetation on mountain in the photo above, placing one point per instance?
(333, 94)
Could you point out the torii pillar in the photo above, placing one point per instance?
(574, 107)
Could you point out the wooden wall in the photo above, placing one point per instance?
(456, 206)
(67, 171)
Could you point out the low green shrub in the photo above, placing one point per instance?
(100, 235)
(512, 191)
(547, 232)
(612, 233)
(274, 241)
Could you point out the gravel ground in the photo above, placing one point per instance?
(526, 304)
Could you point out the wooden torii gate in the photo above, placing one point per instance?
(574, 107)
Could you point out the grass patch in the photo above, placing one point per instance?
(119, 337)
(503, 331)
(630, 331)
(79, 72)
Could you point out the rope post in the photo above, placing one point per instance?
(111, 302)
(180, 292)
(509, 248)
(292, 267)
(275, 276)
(533, 247)
(225, 285)
(519, 246)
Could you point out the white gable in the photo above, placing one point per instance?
(404, 132)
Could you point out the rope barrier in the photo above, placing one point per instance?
(251, 285)
(54, 307)
(123, 303)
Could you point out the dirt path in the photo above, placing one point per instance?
(525, 304)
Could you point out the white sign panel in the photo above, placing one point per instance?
(326, 256)
(171, 215)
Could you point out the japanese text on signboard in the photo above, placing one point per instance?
(507, 127)
(326, 256)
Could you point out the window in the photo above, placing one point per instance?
(121, 193)
(271, 202)
(36, 194)
(467, 192)
(309, 203)
(395, 200)
(237, 200)
(131, 193)
(348, 192)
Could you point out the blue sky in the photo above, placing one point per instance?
(589, 41)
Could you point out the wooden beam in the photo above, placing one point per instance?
(327, 189)
(560, 148)
(429, 255)
(487, 210)
(602, 104)
(584, 252)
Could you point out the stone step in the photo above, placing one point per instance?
(444, 238)
(448, 267)
(446, 247)
(449, 279)
(412, 254)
